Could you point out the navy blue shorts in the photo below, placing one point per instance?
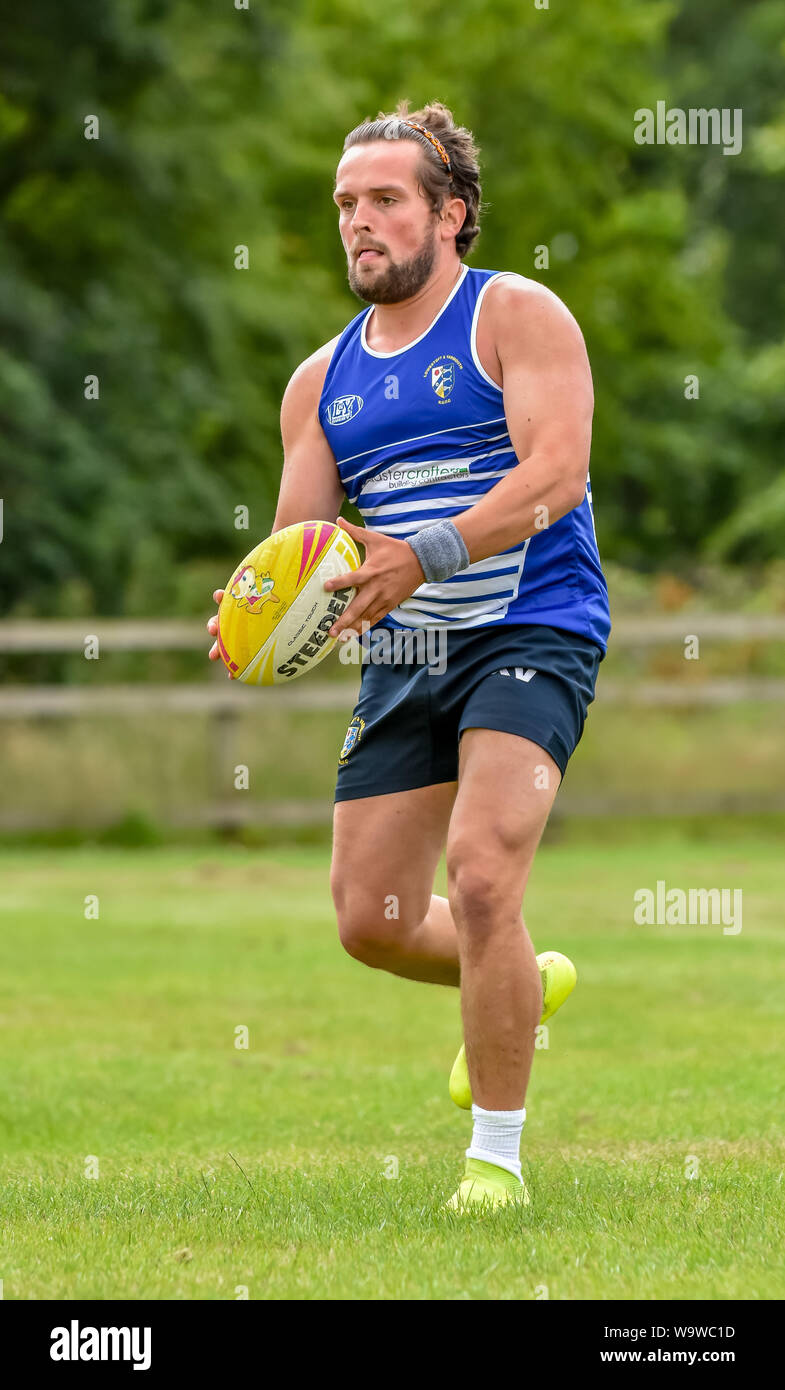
(523, 679)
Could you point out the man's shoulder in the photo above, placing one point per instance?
(316, 365)
(510, 290)
(311, 373)
(519, 307)
(307, 380)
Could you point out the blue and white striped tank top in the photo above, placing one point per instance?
(419, 435)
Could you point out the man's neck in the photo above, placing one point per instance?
(393, 326)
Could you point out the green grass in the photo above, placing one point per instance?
(265, 1168)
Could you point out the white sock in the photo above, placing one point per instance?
(496, 1138)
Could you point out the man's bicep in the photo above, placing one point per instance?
(311, 487)
(549, 409)
(548, 393)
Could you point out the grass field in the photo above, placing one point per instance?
(223, 1170)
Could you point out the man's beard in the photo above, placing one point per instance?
(398, 282)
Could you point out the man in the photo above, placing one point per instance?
(455, 413)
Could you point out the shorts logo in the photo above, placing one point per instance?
(343, 409)
(518, 672)
(353, 736)
(441, 374)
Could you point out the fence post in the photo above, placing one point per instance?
(221, 733)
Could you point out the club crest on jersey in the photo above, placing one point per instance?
(343, 409)
(441, 374)
(353, 735)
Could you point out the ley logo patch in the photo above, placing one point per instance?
(343, 409)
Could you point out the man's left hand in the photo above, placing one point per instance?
(389, 573)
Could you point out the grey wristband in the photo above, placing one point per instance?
(441, 551)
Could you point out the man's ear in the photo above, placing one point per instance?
(453, 214)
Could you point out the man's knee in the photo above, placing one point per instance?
(369, 924)
(485, 884)
(476, 895)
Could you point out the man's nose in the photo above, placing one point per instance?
(361, 218)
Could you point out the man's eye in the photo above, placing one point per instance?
(386, 200)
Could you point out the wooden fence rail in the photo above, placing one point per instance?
(230, 699)
(224, 702)
(160, 634)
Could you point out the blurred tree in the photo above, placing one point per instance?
(733, 55)
(220, 128)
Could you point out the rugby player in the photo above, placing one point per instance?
(455, 413)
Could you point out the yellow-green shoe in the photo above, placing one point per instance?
(483, 1185)
(558, 975)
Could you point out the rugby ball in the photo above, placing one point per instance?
(275, 614)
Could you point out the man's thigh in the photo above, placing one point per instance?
(506, 788)
(390, 845)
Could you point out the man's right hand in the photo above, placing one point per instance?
(212, 628)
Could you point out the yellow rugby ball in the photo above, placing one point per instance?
(275, 614)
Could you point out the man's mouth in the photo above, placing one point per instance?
(368, 254)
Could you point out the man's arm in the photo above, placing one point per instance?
(531, 341)
(311, 488)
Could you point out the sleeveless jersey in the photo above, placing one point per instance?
(420, 435)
